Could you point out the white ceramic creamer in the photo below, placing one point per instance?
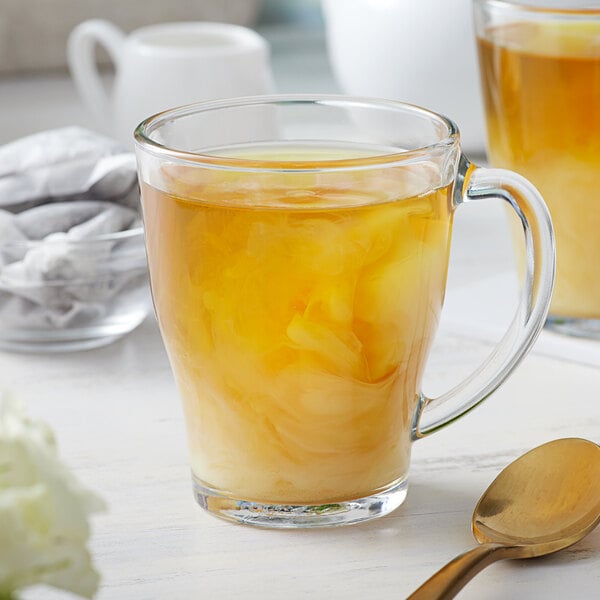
(163, 66)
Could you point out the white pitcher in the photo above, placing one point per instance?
(163, 66)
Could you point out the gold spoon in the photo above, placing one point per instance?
(545, 501)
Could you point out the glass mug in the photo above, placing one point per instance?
(298, 249)
(540, 71)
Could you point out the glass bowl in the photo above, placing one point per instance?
(59, 294)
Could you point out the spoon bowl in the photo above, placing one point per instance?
(545, 501)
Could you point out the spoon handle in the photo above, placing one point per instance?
(451, 578)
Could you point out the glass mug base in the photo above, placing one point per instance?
(583, 328)
(299, 516)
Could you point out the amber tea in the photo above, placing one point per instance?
(541, 84)
(297, 322)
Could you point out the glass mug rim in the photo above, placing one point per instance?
(145, 130)
(558, 7)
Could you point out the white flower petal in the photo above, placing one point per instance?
(44, 510)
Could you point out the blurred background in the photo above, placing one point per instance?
(37, 93)
(359, 47)
(33, 33)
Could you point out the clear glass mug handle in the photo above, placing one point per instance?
(474, 184)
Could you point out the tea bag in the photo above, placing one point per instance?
(62, 193)
(81, 218)
(65, 164)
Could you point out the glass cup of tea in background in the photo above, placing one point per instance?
(298, 250)
(540, 72)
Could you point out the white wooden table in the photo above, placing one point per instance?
(117, 416)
